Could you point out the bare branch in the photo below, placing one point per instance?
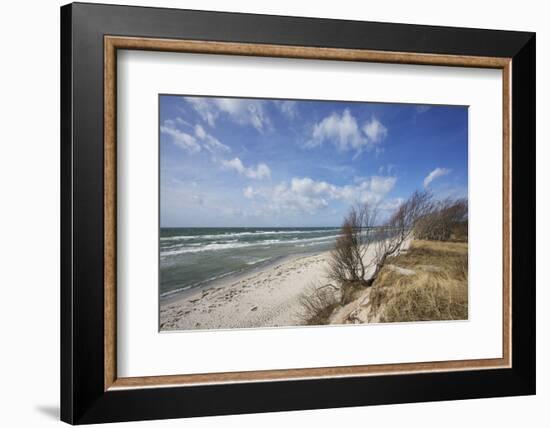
(448, 218)
(400, 227)
(347, 262)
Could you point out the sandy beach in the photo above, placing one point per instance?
(265, 298)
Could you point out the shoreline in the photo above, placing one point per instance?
(267, 296)
(229, 278)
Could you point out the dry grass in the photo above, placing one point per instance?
(437, 291)
(318, 303)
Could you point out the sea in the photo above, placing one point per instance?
(194, 257)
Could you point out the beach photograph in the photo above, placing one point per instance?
(293, 213)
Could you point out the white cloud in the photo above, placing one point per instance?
(388, 169)
(179, 138)
(371, 190)
(211, 143)
(288, 108)
(189, 142)
(391, 205)
(204, 108)
(374, 130)
(180, 121)
(381, 185)
(339, 170)
(422, 108)
(438, 172)
(344, 132)
(287, 199)
(305, 195)
(261, 171)
(368, 190)
(242, 111)
(245, 112)
(200, 132)
(308, 186)
(249, 192)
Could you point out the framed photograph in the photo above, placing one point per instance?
(267, 213)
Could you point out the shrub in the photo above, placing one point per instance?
(347, 259)
(447, 219)
(318, 303)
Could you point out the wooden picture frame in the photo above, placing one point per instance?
(91, 390)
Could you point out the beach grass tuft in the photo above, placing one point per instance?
(318, 303)
(438, 290)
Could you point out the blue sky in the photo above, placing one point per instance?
(237, 162)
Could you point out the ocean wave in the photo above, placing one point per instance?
(200, 249)
(240, 234)
(255, 262)
(196, 284)
(197, 244)
(235, 245)
(177, 290)
(315, 243)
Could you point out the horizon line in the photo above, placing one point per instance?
(245, 227)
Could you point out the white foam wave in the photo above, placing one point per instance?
(314, 243)
(196, 284)
(234, 245)
(240, 234)
(255, 262)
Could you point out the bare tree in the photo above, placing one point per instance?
(399, 228)
(362, 247)
(347, 262)
(445, 219)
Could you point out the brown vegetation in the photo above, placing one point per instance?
(428, 282)
(348, 266)
(401, 227)
(347, 263)
(437, 291)
(318, 303)
(446, 220)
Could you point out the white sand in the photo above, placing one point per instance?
(265, 298)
